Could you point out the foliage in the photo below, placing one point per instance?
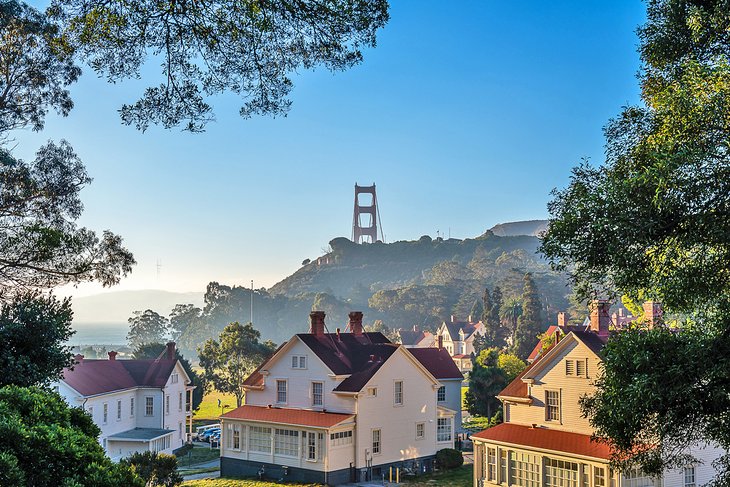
(381, 327)
(449, 458)
(40, 243)
(36, 66)
(228, 361)
(146, 327)
(207, 48)
(45, 443)
(485, 382)
(181, 317)
(529, 324)
(239, 483)
(154, 350)
(511, 365)
(494, 332)
(652, 222)
(155, 469)
(33, 332)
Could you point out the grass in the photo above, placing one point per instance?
(475, 424)
(458, 477)
(463, 396)
(199, 454)
(209, 409)
(195, 471)
(237, 483)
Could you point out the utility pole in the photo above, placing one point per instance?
(252, 301)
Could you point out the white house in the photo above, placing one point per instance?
(545, 440)
(139, 405)
(458, 338)
(339, 407)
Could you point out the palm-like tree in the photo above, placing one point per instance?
(509, 313)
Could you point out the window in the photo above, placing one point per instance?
(179, 401)
(317, 394)
(376, 442)
(236, 437)
(286, 442)
(637, 478)
(106, 412)
(281, 391)
(585, 475)
(298, 362)
(398, 393)
(119, 410)
(689, 477)
(149, 403)
(525, 469)
(443, 429)
(441, 394)
(552, 405)
(161, 444)
(179, 430)
(599, 477)
(559, 473)
(569, 367)
(372, 392)
(341, 438)
(492, 464)
(260, 440)
(503, 465)
(581, 368)
(420, 431)
(311, 447)
(174, 378)
(167, 404)
(131, 407)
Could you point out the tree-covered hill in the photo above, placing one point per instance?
(400, 284)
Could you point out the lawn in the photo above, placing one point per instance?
(458, 477)
(209, 409)
(237, 483)
(199, 454)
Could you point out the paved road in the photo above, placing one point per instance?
(209, 475)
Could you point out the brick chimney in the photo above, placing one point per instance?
(653, 313)
(170, 351)
(112, 355)
(441, 342)
(600, 319)
(355, 322)
(316, 318)
(562, 318)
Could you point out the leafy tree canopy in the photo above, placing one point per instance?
(33, 330)
(653, 221)
(155, 469)
(230, 359)
(45, 443)
(209, 47)
(529, 323)
(147, 327)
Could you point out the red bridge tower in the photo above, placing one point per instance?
(366, 219)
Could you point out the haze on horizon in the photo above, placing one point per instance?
(464, 118)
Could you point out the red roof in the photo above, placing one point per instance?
(92, 377)
(438, 362)
(546, 439)
(538, 348)
(298, 417)
(518, 387)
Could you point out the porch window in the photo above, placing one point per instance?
(492, 464)
(599, 477)
(637, 478)
(236, 437)
(503, 464)
(559, 473)
(443, 429)
(260, 440)
(281, 391)
(341, 438)
(312, 447)
(317, 394)
(286, 442)
(525, 469)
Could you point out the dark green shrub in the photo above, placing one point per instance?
(449, 458)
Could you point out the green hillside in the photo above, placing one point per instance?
(401, 284)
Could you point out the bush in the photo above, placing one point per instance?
(156, 469)
(449, 458)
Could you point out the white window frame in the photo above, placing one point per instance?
(549, 396)
(298, 362)
(444, 430)
(279, 391)
(174, 378)
(372, 391)
(149, 406)
(420, 430)
(441, 394)
(105, 417)
(315, 394)
(311, 445)
(377, 441)
(690, 476)
(398, 393)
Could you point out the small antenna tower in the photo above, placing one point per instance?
(366, 229)
(159, 268)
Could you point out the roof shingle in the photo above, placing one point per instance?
(298, 417)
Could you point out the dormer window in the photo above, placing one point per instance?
(174, 378)
(299, 362)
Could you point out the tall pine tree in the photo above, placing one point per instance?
(495, 317)
(529, 324)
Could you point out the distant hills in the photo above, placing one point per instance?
(511, 229)
(117, 306)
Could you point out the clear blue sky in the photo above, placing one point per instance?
(465, 115)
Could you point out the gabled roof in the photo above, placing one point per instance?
(438, 362)
(517, 388)
(410, 337)
(297, 417)
(546, 439)
(93, 377)
(454, 327)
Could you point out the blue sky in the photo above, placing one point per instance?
(465, 115)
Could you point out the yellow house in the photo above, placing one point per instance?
(544, 440)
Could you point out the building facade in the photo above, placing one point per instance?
(338, 407)
(545, 441)
(457, 337)
(139, 405)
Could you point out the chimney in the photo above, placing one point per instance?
(453, 318)
(355, 322)
(470, 320)
(112, 355)
(562, 318)
(338, 335)
(600, 319)
(441, 342)
(78, 358)
(317, 323)
(415, 327)
(170, 351)
(653, 313)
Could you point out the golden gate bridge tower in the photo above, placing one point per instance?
(366, 218)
